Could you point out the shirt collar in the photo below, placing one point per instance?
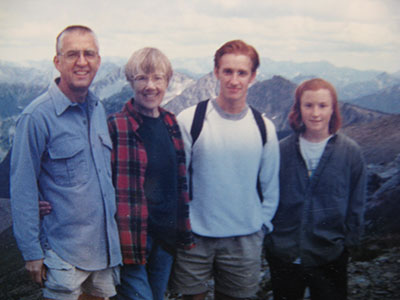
(227, 115)
(62, 102)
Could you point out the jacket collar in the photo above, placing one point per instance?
(62, 103)
(323, 160)
(296, 137)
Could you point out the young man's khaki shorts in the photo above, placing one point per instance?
(234, 263)
(64, 281)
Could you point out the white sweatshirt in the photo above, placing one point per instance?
(226, 160)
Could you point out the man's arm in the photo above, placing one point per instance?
(28, 146)
(269, 175)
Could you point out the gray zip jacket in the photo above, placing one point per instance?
(318, 216)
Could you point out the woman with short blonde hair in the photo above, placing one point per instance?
(149, 175)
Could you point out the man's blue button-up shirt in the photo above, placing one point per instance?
(61, 154)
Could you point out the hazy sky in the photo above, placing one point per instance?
(363, 34)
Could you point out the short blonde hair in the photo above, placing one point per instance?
(148, 60)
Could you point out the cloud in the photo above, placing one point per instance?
(305, 30)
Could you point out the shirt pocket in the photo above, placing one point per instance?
(107, 148)
(68, 164)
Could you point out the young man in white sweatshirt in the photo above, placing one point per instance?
(229, 159)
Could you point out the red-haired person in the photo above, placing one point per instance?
(228, 158)
(322, 195)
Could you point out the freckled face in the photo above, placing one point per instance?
(316, 111)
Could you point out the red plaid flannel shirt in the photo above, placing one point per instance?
(129, 162)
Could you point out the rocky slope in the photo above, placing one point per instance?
(379, 138)
(373, 275)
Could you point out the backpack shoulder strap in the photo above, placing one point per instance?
(198, 120)
(263, 132)
(260, 124)
(197, 125)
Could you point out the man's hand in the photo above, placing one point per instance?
(44, 208)
(37, 270)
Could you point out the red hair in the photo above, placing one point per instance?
(237, 47)
(295, 119)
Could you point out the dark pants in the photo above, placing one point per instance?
(326, 282)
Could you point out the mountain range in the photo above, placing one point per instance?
(386, 100)
(272, 93)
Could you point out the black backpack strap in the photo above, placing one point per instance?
(197, 126)
(263, 131)
(261, 124)
(198, 120)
